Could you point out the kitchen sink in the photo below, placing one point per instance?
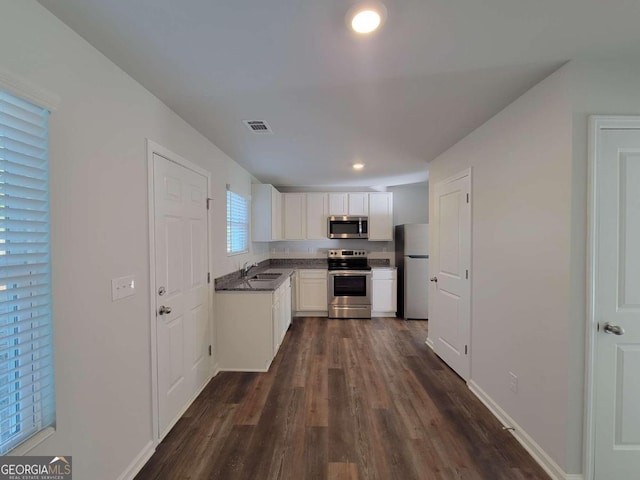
(266, 276)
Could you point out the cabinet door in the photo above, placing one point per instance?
(265, 213)
(294, 216)
(286, 306)
(384, 296)
(381, 216)
(338, 204)
(276, 215)
(276, 319)
(317, 213)
(312, 290)
(359, 204)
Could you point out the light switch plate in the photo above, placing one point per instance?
(122, 287)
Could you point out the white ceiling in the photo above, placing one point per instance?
(394, 100)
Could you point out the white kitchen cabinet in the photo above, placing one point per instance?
(286, 314)
(251, 326)
(317, 213)
(266, 213)
(281, 314)
(311, 288)
(381, 216)
(294, 215)
(358, 204)
(384, 286)
(353, 204)
(338, 204)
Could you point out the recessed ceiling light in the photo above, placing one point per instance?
(358, 166)
(366, 18)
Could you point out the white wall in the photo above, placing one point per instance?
(529, 246)
(410, 203)
(521, 177)
(100, 231)
(602, 87)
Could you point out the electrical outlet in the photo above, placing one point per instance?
(122, 287)
(513, 382)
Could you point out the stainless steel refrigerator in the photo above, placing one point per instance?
(412, 260)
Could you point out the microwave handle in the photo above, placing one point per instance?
(359, 227)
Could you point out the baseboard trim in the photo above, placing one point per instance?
(311, 313)
(536, 451)
(247, 370)
(136, 465)
(383, 314)
(429, 343)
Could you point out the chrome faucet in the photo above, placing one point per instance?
(244, 271)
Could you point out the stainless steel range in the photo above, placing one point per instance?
(349, 284)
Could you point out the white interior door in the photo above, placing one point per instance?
(617, 305)
(450, 318)
(182, 308)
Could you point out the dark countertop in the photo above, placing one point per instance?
(287, 267)
(250, 284)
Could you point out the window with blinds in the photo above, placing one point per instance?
(26, 350)
(237, 223)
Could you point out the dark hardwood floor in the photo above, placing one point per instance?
(344, 399)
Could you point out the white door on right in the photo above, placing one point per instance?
(450, 317)
(617, 305)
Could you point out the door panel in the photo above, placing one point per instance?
(175, 352)
(182, 335)
(172, 275)
(450, 318)
(627, 421)
(617, 301)
(450, 233)
(629, 258)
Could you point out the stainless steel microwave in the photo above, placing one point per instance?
(348, 227)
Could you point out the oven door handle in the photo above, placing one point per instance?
(347, 273)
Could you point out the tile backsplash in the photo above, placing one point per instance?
(318, 248)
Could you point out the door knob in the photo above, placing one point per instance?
(164, 310)
(434, 279)
(614, 329)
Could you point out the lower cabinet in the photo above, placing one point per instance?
(384, 286)
(281, 314)
(251, 326)
(311, 292)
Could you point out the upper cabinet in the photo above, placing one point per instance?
(317, 213)
(338, 204)
(358, 204)
(381, 216)
(353, 204)
(303, 216)
(266, 213)
(295, 216)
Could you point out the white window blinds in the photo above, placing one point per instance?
(26, 362)
(237, 223)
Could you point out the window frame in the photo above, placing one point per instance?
(232, 197)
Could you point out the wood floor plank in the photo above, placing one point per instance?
(341, 425)
(343, 399)
(316, 453)
(343, 471)
(317, 393)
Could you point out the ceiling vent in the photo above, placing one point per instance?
(258, 126)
